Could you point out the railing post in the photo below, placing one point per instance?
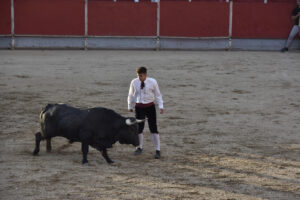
(86, 25)
(158, 26)
(230, 24)
(12, 18)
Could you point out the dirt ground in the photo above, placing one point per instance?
(231, 127)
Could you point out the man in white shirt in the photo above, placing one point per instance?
(143, 91)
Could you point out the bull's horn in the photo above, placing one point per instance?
(139, 120)
(129, 122)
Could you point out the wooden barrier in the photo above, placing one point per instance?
(49, 17)
(5, 17)
(121, 18)
(168, 24)
(194, 19)
(259, 20)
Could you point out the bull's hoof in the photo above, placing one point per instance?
(85, 162)
(110, 162)
(71, 141)
(35, 152)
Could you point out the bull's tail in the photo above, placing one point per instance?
(44, 117)
(45, 109)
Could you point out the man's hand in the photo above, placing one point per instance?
(161, 111)
(130, 110)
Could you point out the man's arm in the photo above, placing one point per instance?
(158, 97)
(294, 17)
(130, 99)
(295, 14)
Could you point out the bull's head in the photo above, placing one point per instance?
(129, 133)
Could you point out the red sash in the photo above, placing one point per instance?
(141, 105)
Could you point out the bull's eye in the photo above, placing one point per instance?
(133, 128)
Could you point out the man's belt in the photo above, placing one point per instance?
(142, 105)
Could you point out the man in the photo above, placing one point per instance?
(295, 30)
(143, 91)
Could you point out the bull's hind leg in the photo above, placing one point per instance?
(38, 138)
(104, 154)
(48, 147)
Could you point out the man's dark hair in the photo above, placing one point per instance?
(141, 70)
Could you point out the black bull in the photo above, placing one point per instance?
(97, 127)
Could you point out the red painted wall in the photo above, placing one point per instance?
(200, 18)
(49, 17)
(124, 18)
(259, 20)
(195, 19)
(5, 17)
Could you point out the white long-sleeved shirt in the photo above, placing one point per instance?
(148, 94)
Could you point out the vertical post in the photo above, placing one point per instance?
(85, 24)
(265, 1)
(230, 24)
(12, 18)
(158, 25)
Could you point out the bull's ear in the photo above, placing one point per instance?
(130, 122)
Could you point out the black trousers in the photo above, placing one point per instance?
(150, 113)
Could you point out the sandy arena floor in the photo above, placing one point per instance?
(231, 127)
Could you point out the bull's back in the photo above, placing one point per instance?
(61, 120)
(102, 121)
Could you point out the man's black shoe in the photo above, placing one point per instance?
(157, 154)
(284, 49)
(138, 151)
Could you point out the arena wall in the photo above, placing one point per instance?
(5, 20)
(126, 18)
(195, 19)
(166, 24)
(5, 24)
(49, 17)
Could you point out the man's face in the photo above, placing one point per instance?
(142, 77)
(298, 3)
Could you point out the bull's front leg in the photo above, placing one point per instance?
(85, 151)
(38, 138)
(104, 154)
(84, 137)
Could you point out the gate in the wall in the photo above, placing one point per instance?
(146, 24)
(261, 25)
